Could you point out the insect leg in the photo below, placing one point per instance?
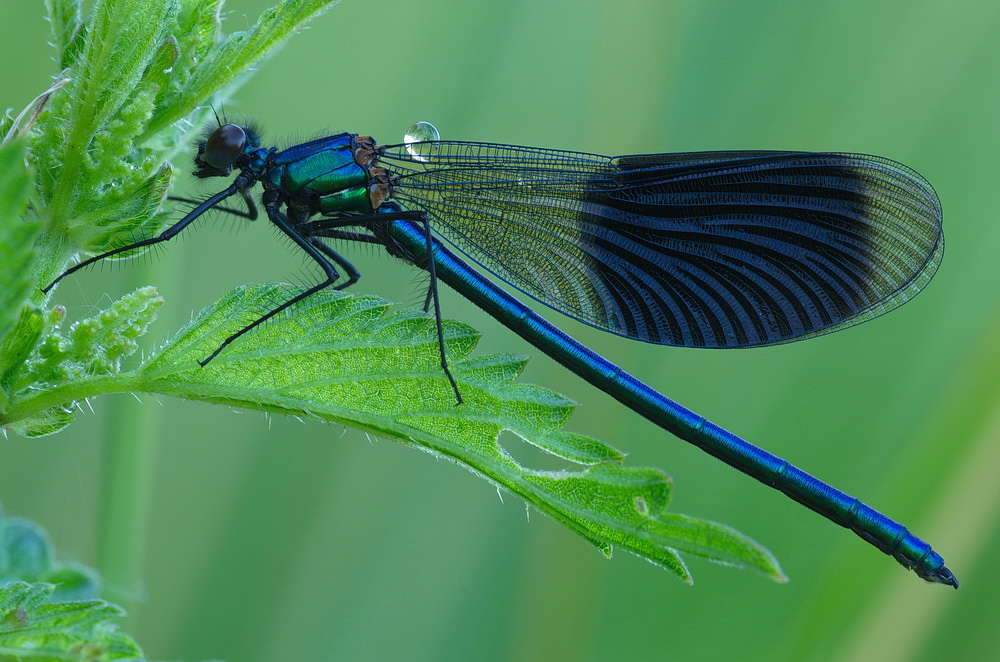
(306, 244)
(353, 275)
(166, 235)
(249, 214)
(388, 212)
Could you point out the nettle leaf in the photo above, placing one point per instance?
(92, 348)
(123, 34)
(33, 628)
(227, 63)
(118, 46)
(347, 359)
(26, 554)
(17, 348)
(350, 360)
(159, 73)
(67, 28)
(125, 215)
(17, 236)
(25, 550)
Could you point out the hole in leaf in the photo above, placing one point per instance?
(532, 457)
(641, 506)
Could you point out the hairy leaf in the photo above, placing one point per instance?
(33, 628)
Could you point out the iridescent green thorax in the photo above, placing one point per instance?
(322, 176)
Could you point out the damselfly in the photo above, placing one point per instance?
(698, 249)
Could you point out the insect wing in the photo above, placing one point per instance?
(703, 249)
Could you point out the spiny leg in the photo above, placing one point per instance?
(306, 244)
(427, 299)
(433, 293)
(166, 235)
(353, 275)
(250, 214)
(333, 228)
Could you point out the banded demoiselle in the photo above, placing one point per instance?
(698, 249)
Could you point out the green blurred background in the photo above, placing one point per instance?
(274, 539)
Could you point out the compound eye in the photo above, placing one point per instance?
(224, 146)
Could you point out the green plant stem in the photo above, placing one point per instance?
(74, 391)
(129, 454)
(130, 450)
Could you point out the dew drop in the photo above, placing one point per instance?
(417, 138)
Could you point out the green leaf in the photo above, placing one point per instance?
(93, 181)
(6, 125)
(32, 628)
(122, 37)
(73, 582)
(93, 347)
(628, 508)
(17, 236)
(120, 43)
(199, 28)
(17, 348)
(224, 65)
(348, 360)
(124, 216)
(64, 17)
(161, 68)
(42, 423)
(26, 554)
(25, 551)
